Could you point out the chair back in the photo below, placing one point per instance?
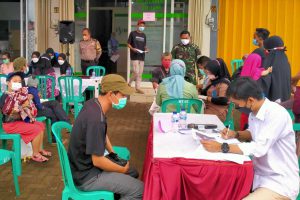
(3, 85)
(43, 86)
(182, 103)
(229, 116)
(99, 70)
(70, 87)
(235, 64)
(63, 156)
(291, 114)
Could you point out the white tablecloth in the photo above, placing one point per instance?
(170, 145)
(85, 84)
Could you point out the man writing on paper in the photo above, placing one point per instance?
(137, 45)
(270, 139)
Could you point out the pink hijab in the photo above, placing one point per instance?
(252, 67)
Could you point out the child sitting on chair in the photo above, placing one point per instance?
(18, 104)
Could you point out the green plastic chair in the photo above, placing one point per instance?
(235, 64)
(48, 126)
(5, 157)
(229, 117)
(291, 114)
(99, 71)
(42, 86)
(70, 191)
(66, 85)
(3, 85)
(171, 105)
(16, 146)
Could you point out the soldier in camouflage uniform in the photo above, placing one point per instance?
(189, 53)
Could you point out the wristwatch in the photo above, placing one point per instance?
(225, 148)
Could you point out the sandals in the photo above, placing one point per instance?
(45, 153)
(39, 158)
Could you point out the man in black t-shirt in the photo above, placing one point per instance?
(91, 170)
(137, 44)
(163, 71)
(260, 35)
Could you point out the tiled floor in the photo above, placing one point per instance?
(42, 181)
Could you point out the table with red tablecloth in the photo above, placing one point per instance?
(184, 178)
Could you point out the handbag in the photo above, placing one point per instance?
(116, 159)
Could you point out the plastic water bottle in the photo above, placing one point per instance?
(182, 119)
(93, 74)
(175, 122)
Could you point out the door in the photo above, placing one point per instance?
(100, 23)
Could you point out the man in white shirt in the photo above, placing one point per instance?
(270, 139)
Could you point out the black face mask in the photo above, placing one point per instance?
(244, 110)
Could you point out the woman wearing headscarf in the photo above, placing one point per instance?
(253, 69)
(52, 55)
(277, 85)
(63, 64)
(43, 67)
(35, 61)
(223, 69)
(215, 93)
(175, 86)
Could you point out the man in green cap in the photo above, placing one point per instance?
(188, 52)
(91, 170)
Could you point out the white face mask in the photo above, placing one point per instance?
(185, 41)
(16, 86)
(61, 62)
(35, 60)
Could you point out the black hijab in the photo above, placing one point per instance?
(43, 66)
(276, 85)
(65, 66)
(53, 61)
(215, 68)
(223, 69)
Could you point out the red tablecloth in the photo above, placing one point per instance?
(189, 179)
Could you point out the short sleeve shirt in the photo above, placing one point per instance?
(88, 138)
(159, 74)
(137, 40)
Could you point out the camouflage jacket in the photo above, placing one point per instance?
(189, 54)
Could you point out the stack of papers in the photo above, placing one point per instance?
(141, 51)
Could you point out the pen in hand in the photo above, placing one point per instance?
(227, 131)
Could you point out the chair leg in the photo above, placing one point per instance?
(49, 132)
(4, 144)
(15, 175)
(75, 110)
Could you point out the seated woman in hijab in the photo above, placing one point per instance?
(214, 94)
(277, 85)
(175, 86)
(44, 67)
(35, 61)
(63, 65)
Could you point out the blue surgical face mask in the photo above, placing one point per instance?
(202, 72)
(121, 104)
(141, 28)
(254, 42)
